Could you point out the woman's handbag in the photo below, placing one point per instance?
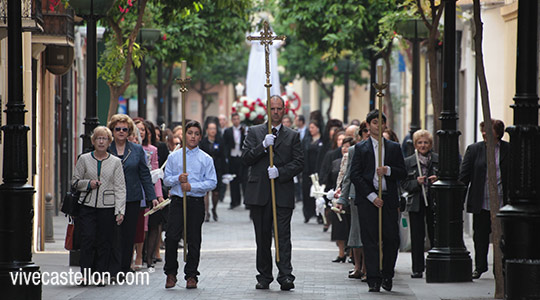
(68, 244)
(70, 205)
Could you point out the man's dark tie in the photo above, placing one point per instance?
(274, 131)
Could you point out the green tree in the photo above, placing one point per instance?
(211, 41)
(323, 32)
(125, 20)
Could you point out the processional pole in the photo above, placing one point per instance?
(267, 39)
(183, 81)
(380, 86)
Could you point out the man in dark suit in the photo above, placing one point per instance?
(288, 162)
(364, 176)
(473, 173)
(234, 139)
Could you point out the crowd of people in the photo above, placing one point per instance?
(118, 184)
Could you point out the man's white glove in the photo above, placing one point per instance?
(273, 172)
(330, 194)
(319, 206)
(268, 140)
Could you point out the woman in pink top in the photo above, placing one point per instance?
(152, 160)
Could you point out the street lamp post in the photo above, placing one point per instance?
(161, 117)
(91, 11)
(449, 260)
(149, 36)
(415, 31)
(16, 196)
(520, 218)
(346, 67)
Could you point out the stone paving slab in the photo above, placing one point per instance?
(228, 269)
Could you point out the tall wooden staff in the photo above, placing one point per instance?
(380, 86)
(183, 81)
(267, 39)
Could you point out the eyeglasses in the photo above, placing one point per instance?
(124, 129)
(364, 130)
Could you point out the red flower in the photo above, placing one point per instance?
(234, 109)
(247, 116)
(164, 37)
(245, 103)
(260, 117)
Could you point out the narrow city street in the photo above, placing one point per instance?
(228, 269)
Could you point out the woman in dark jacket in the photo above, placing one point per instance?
(138, 184)
(213, 145)
(311, 147)
(421, 209)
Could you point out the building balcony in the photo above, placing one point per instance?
(58, 26)
(32, 18)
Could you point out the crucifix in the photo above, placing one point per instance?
(183, 81)
(267, 38)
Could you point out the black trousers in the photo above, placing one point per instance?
(418, 221)
(369, 231)
(195, 219)
(308, 207)
(236, 167)
(97, 237)
(263, 224)
(127, 234)
(482, 229)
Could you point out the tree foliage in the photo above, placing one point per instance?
(210, 40)
(322, 33)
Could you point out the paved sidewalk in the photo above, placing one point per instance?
(228, 269)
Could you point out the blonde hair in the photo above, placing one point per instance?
(121, 118)
(422, 133)
(99, 131)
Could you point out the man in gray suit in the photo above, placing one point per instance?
(288, 162)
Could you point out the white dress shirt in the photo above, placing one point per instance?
(372, 196)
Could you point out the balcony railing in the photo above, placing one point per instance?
(32, 18)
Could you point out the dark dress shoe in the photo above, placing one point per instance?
(375, 287)
(340, 259)
(416, 275)
(356, 274)
(171, 281)
(191, 283)
(387, 284)
(476, 274)
(262, 286)
(287, 285)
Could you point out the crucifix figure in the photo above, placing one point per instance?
(267, 38)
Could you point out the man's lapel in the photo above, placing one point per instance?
(282, 135)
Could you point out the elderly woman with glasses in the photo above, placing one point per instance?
(421, 214)
(100, 178)
(138, 183)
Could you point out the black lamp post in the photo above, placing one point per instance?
(449, 260)
(146, 38)
(91, 11)
(161, 104)
(520, 218)
(16, 196)
(346, 67)
(415, 31)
